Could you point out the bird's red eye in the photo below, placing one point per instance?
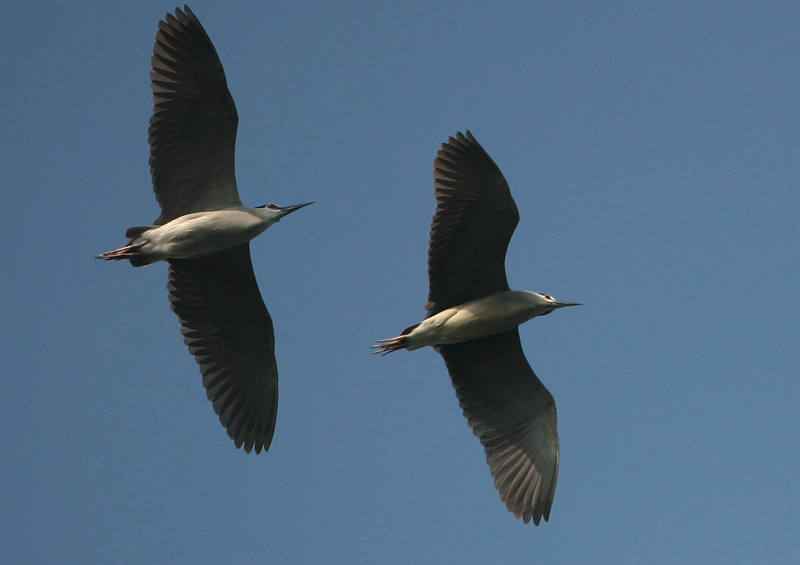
(548, 297)
(273, 207)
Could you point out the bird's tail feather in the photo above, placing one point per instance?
(136, 232)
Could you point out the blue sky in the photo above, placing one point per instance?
(652, 149)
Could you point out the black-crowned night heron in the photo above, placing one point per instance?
(204, 231)
(472, 322)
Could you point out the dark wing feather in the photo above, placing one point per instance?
(229, 331)
(514, 416)
(474, 220)
(193, 128)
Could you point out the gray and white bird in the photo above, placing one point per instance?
(472, 322)
(204, 231)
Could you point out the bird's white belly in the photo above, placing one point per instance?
(472, 320)
(202, 233)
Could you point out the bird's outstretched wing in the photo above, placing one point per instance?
(229, 331)
(193, 127)
(474, 220)
(514, 416)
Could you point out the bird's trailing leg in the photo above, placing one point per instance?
(127, 252)
(386, 346)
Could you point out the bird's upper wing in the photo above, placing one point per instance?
(229, 331)
(514, 416)
(473, 223)
(193, 127)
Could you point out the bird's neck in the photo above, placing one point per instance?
(266, 215)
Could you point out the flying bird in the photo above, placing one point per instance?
(204, 232)
(472, 322)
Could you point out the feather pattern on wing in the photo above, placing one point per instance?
(193, 127)
(229, 331)
(474, 220)
(513, 415)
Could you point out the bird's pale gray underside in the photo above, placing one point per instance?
(193, 127)
(474, 220)
(513, 415)
(229, 331)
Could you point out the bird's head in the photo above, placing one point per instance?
(547, 303)
(275, 212)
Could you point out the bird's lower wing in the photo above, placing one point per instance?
(513, 415)
(229, 331)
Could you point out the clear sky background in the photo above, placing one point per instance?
(652, 149)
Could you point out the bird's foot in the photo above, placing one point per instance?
(119, 254)
(386, 346)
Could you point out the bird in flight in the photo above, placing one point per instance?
(472, 322)
(204, 232)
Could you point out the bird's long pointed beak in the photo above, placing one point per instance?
(289, 209)
(564, 304)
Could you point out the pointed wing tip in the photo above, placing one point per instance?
(180, 16)
(527, 509)
(534, 514)
(258, 446)
(465, 138)
(253, 437)
(181, 13)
